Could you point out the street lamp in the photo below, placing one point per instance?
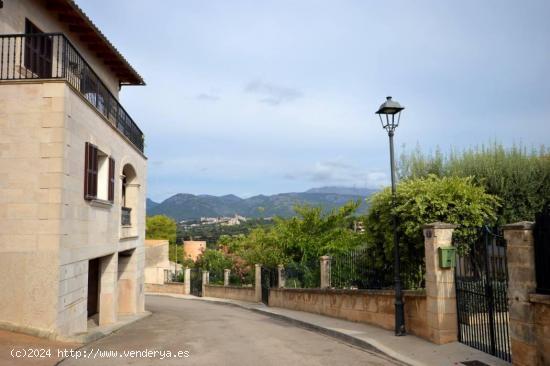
(390, 114)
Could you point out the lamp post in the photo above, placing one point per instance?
(390, 114)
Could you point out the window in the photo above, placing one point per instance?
(99, 174)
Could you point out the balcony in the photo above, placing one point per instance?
(52, 56)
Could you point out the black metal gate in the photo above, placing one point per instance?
(196, 282)
(270, 278)
(542, 251)
(481, 296)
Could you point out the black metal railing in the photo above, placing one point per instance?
(542, 251)
(215, 276)
(358, 269)
(305, 274)
(53, 56)
(125, 216)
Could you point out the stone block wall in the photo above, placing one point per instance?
(167, 288)
(231, 292)
(374, 307)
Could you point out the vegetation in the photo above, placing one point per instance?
(518, 176)
(160, 227)
(419, 201)
(297, 242)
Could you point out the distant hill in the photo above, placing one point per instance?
(188, 206)
(151, 203)
(353, 191)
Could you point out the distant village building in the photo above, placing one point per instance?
(72, 173)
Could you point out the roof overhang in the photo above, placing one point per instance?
(80, 25)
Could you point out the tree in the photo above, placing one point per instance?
(420, 201)
(161, 227)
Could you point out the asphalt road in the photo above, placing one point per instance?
(215, 334)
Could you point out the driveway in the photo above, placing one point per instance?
(202, 333)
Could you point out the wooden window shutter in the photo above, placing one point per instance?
(90, 171)
(111, 180)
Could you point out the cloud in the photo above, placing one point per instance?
(272, 94)
(339, 172)
(207, 97)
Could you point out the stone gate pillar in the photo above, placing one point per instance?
(325, 271)
(258, 282)
(226, 277)
(205, 281)
(440, 285)
(520, 253)
(281, 275)
(187, 281)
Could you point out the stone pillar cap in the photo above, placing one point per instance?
(325, 257)
(522, 225)
(440, 225)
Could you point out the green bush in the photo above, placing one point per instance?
(421, 201)
(160, 227)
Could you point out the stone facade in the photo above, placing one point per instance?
(48, 232)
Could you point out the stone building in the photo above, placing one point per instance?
(192, 249)
(72, 173)
(156, 261)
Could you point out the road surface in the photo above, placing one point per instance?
(202, 333)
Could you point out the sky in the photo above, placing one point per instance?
(264, 97)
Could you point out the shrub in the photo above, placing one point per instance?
(453, 200)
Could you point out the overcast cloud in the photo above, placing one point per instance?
(251, 97)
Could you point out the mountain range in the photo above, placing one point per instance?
(189, 206)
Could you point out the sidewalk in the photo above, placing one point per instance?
(409, 349)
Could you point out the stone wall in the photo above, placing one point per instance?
(231, 292)
(167, 288)
(374, 307)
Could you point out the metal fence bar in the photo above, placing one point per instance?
(357, 269)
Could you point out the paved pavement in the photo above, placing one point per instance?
(21, 350)
(216, 334)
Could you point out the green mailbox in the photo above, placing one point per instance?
(447, 257)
